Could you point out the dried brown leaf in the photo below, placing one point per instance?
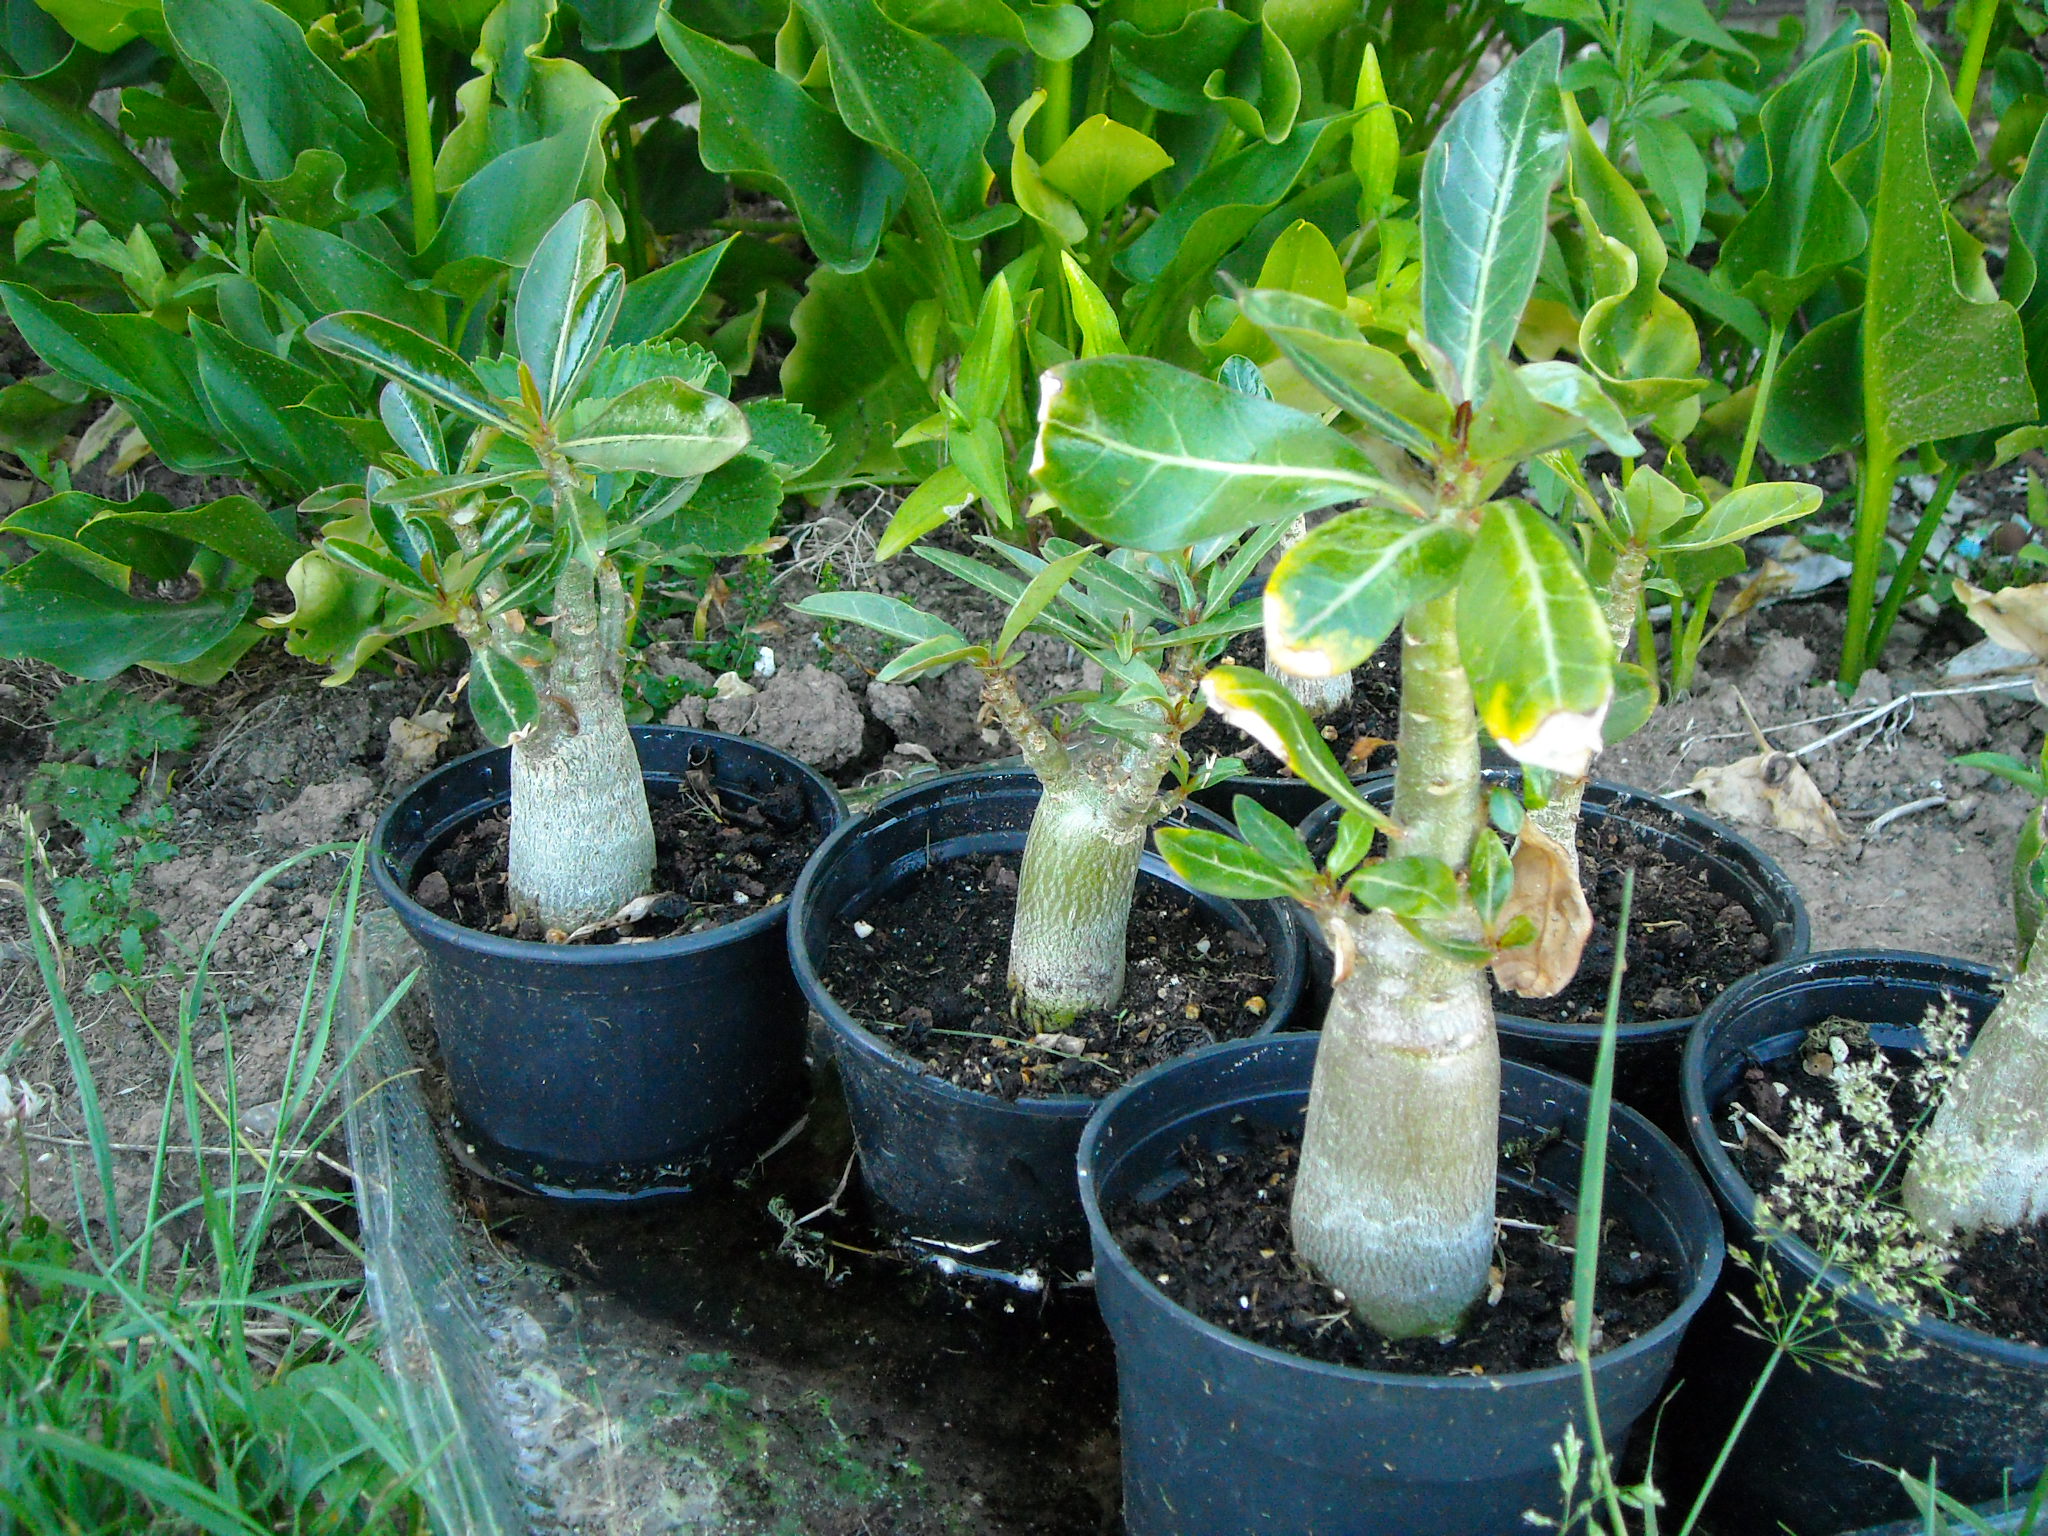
(1771, 789)
(1547, 893)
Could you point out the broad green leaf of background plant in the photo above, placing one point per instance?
(916, 102)
(328, 273)
(1676, 171)
(1817, 404)
(1332, 354)
(1534, 641)
(257, 398)
(1101, 163)
(1804, 225)
(1485, 185)
(58, 613)
(656, 304)
(1301, 261)
(1339, 592)
(610, 25)
(290, 127)
(104, 25)
(760, 123)
(108, 174)
(1051, 209)
(1935, 364)
(1148, 456)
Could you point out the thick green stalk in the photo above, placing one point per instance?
(1873, 511)
(1909, 562)
(1765, 377)
(1972, 66)
(1055, 118)
(419, 137)
(1984, 1160)
(1394, 1203)
(628, 161)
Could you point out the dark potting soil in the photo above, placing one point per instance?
(931, 976)
(1218, 1243)
(1687, 942)
(716, 859)
(1361, 734)
(1998, 1282)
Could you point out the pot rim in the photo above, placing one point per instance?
(1677, 1320)
(1614, 799)
(1064, 1106)
(1738, 1200)
(592, 956)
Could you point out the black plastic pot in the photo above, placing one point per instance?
(1223, 1437)
(1647, 1053)
(938, 1161)
(1816, 1451)
(608, 1071)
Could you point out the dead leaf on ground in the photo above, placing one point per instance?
(415, 741)
(1547, 893)
(2016, 617)
(1771, 789)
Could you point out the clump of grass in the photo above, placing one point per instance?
(160, 1369)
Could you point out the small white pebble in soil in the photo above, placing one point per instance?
(863, 930)
(1166, 1279)
(1244, 1303)
(1201, 946)
(740, 898)
(764, 663)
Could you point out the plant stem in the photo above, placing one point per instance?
(1054, 119)
(629, 169)
(1765, 377)
(1909, 562)
(419, 137)
(1074, 893)
(1972, 66)
(1873, 512)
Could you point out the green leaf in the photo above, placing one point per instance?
(1272, 838)
(235, 526)
(252, 394)
(916, 102)
(656, 304)
(1144, 455)
(1816, 407)
(732, 513)
(37, 414)
(64, 525)
(1489, 875)
(1373, 384)
(1100, 334)
(1677, 173)
(410, 421)
(1262, 707)
(1935, 364)
(108, 175)
(152, 371)
(502, 696)
(380, 566)
(561, 317)
(1534, 641)
(990, 359)
(1352, 844)
(757, 122)
(416, 361)
(929, 657)
(1037, 597)
(1101, 163)
(1805, 225)
(1749, 511)
(1223, 866)
(942, 496)
(1635, 701)
(1485, 185)
(785, 435)
(1411, 886)
(290, 127)
(501, 211)
(330, 274)
(1050, 209)
(889, 615)
(1540, 406)
(1339, 592)
(53, 611)
(611, 25)
(661, 427)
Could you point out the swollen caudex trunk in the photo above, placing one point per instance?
(1320, 696)
(1984, 1160)
(582, 842)
(1393, 1205)
(1074, 893)
(1394, 1201)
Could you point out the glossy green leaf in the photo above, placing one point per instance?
(1412, 886)
(1167, 68)
(410, 421)
(784, 435)
(989, 362)
(1935, 364)
(499, 213)
(1223, 866)
(331, 274)
(1373, 384)
(111, 179)
(380, 566)
(1353, 842)
(1677, 173)
(1485, 185)
(253, 393)
(1038, 595)
(290, 127)
(154, 372)
(1635, 701)
(1540, 406)
(1147, 456)
(610, 25)
(656, 304)
(1489, 875)
(1100, 334)
(1052, 210)
(1805, 224)
(1101, 163)
(757, 122)
(561, 319)
(1534, 641)
(1275, 839)
(732, 513)
(915, 101)
(1816, 407)
(1262, 707)
(941, 497)
(1339, 592)
(502, 696)
(410, 359)
(889, 615)
(661, 427)
(69, 524)
(1749, 511)
(930, 657)
(1300, 261)
(55, 612)
(235, 526)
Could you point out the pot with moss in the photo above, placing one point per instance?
(613, 1010)
(972, 943)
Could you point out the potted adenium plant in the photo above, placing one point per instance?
(1393, 1198)
(969, 1082)
(666, 1046)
